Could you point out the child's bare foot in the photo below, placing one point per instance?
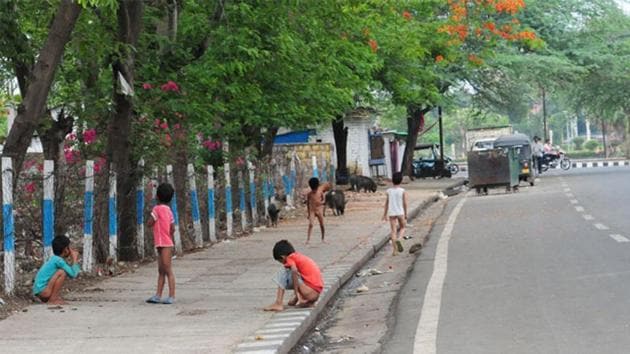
(293, 301)
(304, 304)
(58, 301)
(274, 307)
(324, 241)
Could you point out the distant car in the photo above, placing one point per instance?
(483, 144)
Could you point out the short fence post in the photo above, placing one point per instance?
(322, 160)
(212, 222)
(292, 179)
(266, 194)
(252, 193)
(315, 170)
(48, 210)
(88, 216)
(7, 217)
(113, 221)
(241, 205)
(154, 185)
(178, 236)
(140, 210)
(228, 198)
(194, 201)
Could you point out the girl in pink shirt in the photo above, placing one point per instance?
(163, 225)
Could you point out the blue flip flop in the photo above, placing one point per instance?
(168, 301)
(154, 300)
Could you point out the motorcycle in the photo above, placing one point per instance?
(555, 160)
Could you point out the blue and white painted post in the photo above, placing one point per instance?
(88, 216)
(194, 201)
(241, 204)
(266, 194)
(286, 183)
(140, 210)
(113, 217)
(252, 193)
(48, 209)
(212, 222)
(154, 185)
(178, 236)
(7, 217)
(228, 192)
(315, 170)
(292, 180)
(322, 162)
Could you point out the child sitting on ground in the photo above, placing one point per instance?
(163, 224)
(50, 277)
(300, 273)
(396, 212)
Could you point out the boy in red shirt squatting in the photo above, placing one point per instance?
(300, 273)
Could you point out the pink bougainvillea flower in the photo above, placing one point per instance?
(30, 187)
(164, 125)
(89, 136)
(99, 164)
(71, 136)
(240, 161)
(72, 156)
(156, 122)
(177, 126)
(170, 86)
(147, 86)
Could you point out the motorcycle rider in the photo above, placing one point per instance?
(549, 154)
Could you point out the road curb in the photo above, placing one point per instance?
(287, 328)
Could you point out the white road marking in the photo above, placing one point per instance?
(570, 195)
(601, 226)
(425, 340)
(574, 201)
(588, 217)
(567, 190)
(579, 209)
(619, 238)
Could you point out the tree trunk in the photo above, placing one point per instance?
(415, 116)
(266, 149)
(340, 133)
(52, 142)
(604, 133)
(33, 106)
(118, 139)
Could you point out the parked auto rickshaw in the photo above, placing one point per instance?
(426, 162)
(523, 147)
(498, 167)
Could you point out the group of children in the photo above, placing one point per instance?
(300, 273)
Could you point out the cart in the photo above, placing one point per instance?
(494, 168)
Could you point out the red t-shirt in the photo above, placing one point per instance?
(308, 269)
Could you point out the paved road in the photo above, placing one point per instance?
(546, 270)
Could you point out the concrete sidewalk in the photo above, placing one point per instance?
(221, 291)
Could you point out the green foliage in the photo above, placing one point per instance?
(592, 145)
(578, 141)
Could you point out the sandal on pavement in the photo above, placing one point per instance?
(168, 301)
(154, 300)
(399, 246)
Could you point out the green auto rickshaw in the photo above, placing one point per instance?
(523, 147)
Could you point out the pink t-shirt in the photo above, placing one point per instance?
(163, 217)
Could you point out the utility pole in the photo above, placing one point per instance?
(440, 163)
(544, 106)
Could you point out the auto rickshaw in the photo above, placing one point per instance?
(523, 147)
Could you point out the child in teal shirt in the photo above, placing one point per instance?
(50, 277)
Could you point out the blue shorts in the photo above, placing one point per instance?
(285, 280)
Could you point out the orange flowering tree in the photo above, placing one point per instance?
(425, 46)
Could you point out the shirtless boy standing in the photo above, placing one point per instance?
(315, 205)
